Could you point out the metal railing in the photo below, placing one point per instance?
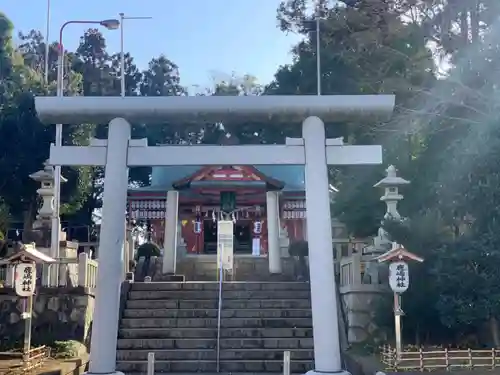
(221, 277)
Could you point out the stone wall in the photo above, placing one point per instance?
(63, 313)
(361, 303)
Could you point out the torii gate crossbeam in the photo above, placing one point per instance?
(139, 154)
(314, 151)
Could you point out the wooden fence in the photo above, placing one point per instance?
(32, 360)
(445, 359)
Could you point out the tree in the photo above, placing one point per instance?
(20, 130)
(366, 48)
(455, 177)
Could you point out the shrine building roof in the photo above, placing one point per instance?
(280, 177)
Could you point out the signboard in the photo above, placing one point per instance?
(294, 209)
(225, 237)
(256, 247)
(147, 209)
(25, 279)
(399, 276)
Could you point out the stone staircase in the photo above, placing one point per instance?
(246, 268)
(178, 322)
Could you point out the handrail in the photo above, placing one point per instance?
(221, 276)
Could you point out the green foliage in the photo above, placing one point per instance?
(68, 349)
(90, 70)
(443, 137)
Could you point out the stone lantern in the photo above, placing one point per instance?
(391, 197)
(46, 191)
(391, 184)
(374, 271)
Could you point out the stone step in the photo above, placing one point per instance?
(213, 294)
(278, 303)
(299, 366)
(211, 354)
(211, 343)
(173, 294)
(159, 286)
(212, 323)
(213, 373)
(245, 269)
(175, 333)
(162, 343)
(212, 313)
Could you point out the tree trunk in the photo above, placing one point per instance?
(474, 22)
(494, 331)
(28, 216)
(417, 335)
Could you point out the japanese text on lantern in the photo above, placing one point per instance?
(399, 277)
(25, 279)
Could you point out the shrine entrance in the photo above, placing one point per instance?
(242, 237)
(210, 237)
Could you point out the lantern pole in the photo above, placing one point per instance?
(398, 313)
(399, 281)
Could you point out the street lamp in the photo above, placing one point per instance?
(122, 51)
(110, 24)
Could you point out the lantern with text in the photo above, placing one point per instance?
(197, 221)
(399, 276)
(25, 279)
(257, 231)
(399, 281)
(257, 227)
(25, 260)
(197, 226)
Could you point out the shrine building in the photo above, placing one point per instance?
(205, 192)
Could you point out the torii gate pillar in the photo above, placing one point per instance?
(111, 250)
(319, 233)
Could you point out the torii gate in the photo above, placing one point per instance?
(119, 152)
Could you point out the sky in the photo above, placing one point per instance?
(204, 38)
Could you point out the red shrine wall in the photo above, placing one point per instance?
(295, 229)
(194, 242)
(292, 212)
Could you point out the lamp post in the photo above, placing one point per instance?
(47, 44)
(122, 51)
(318, 53)
(315, 28)
(110, 24)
